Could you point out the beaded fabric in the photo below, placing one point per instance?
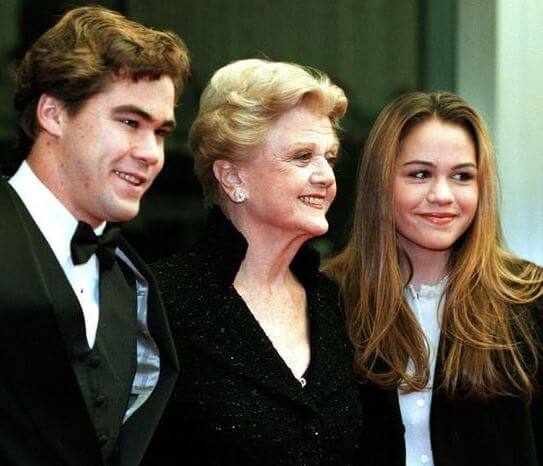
(236, 401)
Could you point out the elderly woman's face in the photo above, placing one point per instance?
(290, 180)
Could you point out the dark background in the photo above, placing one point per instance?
(374, 49)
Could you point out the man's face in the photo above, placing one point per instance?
(110, 152)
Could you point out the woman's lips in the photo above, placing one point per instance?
(317, 202)
(438, 218)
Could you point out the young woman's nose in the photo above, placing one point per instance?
(440, 192)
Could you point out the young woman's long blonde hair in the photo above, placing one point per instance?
(488, 345)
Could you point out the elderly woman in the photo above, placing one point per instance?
(266, 368)
(447, 324)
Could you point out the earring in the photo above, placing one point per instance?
(239, 195)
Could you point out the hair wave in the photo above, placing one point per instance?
(488, 344)
(240, 103)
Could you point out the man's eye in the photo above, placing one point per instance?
(129, 122)
(162, 133)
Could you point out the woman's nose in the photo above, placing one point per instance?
(440, 193)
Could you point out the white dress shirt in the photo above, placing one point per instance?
(58, 225)
(415, 407)
(44, 207)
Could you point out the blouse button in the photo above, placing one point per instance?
(420, 403)
(424, 458)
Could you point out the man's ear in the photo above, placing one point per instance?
(229, 177)
(50, 113)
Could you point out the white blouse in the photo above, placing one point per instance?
(415, 407)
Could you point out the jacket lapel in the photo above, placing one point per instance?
(226, 330)
(138, 429)
(249, 353)
(331, 355)
(34, 353)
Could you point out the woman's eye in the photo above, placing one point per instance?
(462, 176)
(303, 156)
(419, 174)
(332, 159)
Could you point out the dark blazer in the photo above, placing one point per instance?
(236, 401)
(502, 432)
(43, 416)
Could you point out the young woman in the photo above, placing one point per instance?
(445, 322)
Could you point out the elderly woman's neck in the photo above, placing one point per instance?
(269, 254)
(270, 251)
(267, 262)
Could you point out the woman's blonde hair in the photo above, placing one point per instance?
(488, 347)
(240, 103)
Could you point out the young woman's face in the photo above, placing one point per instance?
(435, 186)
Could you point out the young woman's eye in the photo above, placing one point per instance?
(419, 174)
(463, 176)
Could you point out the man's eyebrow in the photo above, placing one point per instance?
(142, 114)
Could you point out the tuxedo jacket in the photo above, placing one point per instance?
(43, 416)
(505, 431)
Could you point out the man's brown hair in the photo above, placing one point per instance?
(83, 52)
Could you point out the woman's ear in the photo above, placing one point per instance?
(50, 114)
(228, 176)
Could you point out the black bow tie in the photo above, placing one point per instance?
(85, 243)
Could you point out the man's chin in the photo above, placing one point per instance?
(123, 214)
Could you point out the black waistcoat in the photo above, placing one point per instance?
(105, 372)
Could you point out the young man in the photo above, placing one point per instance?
(85, 350)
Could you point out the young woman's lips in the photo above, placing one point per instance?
(438, 218)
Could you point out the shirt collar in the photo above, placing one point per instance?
(54, 220)
(428, 291)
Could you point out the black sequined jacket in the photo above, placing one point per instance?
(236, 401)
